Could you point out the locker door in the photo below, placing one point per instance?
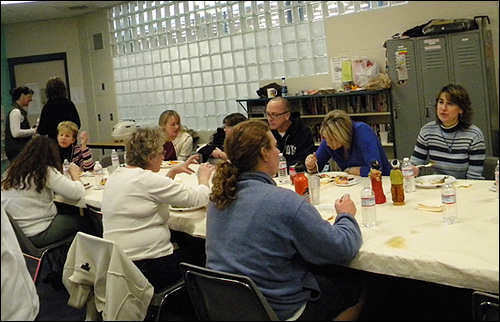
(405, 95)
(434, 72)
(470, 72)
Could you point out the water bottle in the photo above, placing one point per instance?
(66, 167)
(449, 204)
(125, 158)
(115, 160)
(282, 173)
(496, 178)
(99, 175)
(409, 176)
(284, 88)
(368, 210)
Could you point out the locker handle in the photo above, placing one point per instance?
(426, 112)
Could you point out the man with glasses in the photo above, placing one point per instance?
(295, 139)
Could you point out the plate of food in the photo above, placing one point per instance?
(175, 208)
(168, 164)
(327, 177)
(433, 181)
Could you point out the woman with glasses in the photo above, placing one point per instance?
(353, 145)
(135, 207)
(179, 143)
(214, 149)
(295, 139)
(276, 237)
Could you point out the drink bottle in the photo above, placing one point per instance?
(99, 175)
(115, 160)
(409, 176)
(66, 167)
(368, 211)
(284, 88)
(301, 181)
(282, 173)
(292, 173)
(449, 204)
(125, 158)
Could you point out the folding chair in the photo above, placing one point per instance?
(484, 306)
(95, 215)
(221, 296)
(31, 251)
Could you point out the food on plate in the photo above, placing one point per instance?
(342, 179)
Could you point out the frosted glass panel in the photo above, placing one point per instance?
(227, 60)
(250, 57)
(216, 61)
(217, 77)
(148, 71)
(253, 73)
(306, 67)
(278, 69)
(196, 79)
(292, 67)
(177, 81)
(157, 70)
(200, 108)
(228, 76)
(204, 48)
(207, 78)
(219, 92)
(208, 93)
(304, 49)
(176, 67)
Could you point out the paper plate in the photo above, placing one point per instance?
(327, 212)
(433, 181)
(493, 188)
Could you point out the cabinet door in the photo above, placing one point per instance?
(434, 72)
(470, 72)
(406, 99)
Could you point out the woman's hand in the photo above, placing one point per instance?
(205, 172)
(345, 204)
(312, 163)
(84, 137)
(74, 171)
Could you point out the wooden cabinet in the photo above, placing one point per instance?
(371, 107)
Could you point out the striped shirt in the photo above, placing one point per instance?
(456, 151)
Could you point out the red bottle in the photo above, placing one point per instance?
(301, 182)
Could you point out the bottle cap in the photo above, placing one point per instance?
(299, 167)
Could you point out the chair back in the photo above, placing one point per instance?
(37, 253)
(95, 215)
(221, 296)
(484, 306)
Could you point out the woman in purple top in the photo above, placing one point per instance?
(351, 144)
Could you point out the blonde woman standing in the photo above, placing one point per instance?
(179, 143)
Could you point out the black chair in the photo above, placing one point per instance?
(37, 253)
(220, 296)
(484, 306)
(95, 215)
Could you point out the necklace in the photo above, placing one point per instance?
(445, 141)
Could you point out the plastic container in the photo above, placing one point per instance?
(282, 172)
(99, 175)
(409, 176)
(66, 168)
(368, 209)
(292, 173)
(301, 181)
(115, 160)
(449, 204)
(284, 87)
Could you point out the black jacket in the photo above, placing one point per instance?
(55, 111)
(297, 143)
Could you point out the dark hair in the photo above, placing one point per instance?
(244, 149)
(32, 163)
(17, 92)
(55, 88)
(458, 95)
(234, 118)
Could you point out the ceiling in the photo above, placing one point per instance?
(46, 10)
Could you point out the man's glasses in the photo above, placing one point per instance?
(273, 116)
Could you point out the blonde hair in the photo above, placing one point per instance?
(143, 144)
(68, 126)
(243, 147)
(337, 126)
(165, 115)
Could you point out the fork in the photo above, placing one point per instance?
(430, 164)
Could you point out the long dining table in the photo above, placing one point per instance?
(409, 241)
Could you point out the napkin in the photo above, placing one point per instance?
(429, 207)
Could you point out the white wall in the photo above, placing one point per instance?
(353, 34)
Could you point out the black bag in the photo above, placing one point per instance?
(445, 26)
(262, 92)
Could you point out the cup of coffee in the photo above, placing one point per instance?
(272, 92)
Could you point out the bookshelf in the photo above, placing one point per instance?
(371, 107)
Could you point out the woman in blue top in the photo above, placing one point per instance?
(276, 237)
(353, 145)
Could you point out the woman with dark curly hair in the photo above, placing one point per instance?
(452, 142)
(277, 238)
(57, 109)
(28, 188)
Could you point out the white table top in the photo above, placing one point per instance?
(406, 242)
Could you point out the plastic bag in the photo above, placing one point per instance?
(363, 70)
(381, 81)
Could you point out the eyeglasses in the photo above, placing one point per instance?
(273, 116)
